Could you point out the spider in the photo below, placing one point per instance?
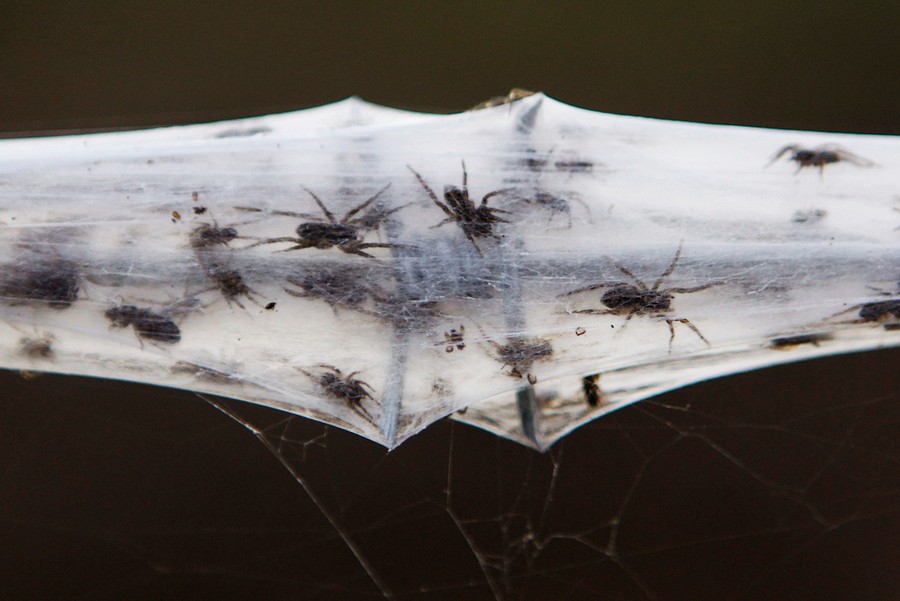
(346, 234)
(229, 282)
(637, 299)
(556, 205)
(344, 388)
(818, 156)
(474, 221)
(520, 353)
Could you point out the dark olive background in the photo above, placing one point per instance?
(113, 490)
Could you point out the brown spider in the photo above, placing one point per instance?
(818, 156)
(146, 323)
(346, 234)
(344, 388)
(637, 299)
(520, 353)
(474, 221)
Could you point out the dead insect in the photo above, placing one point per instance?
(514, 94)
(195, 196)
(52, 282)
(520, 353)
(813, 216)
(270, 306)
(146, 323)
(455, 339)
(346, 234)
(818, 156)
(344, 388)
(590, 385)
(199, 210)
(637, 299)
(580, 331)
(789, 342)
(176, 216)
(574, 166)
(475, 222)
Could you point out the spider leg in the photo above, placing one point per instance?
(688, 324)
(275, 240)
(640, 283)
(356, 210)
(279, 213)
(594, 312)
(584, 289)
(495, 193)
(475, 244)
(781, 152)
(321, 205)
(669, 270)
(465, 178)
(444, 222)
(431, 193)
(694, 289)
(356, 251)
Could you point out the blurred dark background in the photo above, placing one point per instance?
(776, 484)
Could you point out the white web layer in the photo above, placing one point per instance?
(181, 238)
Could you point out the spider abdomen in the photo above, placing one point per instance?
(329, 233)
(631, 299)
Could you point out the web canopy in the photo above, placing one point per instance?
(524, 268)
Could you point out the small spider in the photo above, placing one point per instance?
(818, 156)
(146, 323)
(474, 221)
(346, 234)
(344, 388)
(637, 299)
(590, 385)
(228, 281)
(455, 339)
(520, 353)
(556, 205)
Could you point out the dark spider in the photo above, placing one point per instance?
(52, 281)
(520, 353)
(146, 323)
(344, 388)
(475, 222)
(346, 234)
(455, 339)
(636, 299)
(270, 306)
(590, 385)
(818, 156)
